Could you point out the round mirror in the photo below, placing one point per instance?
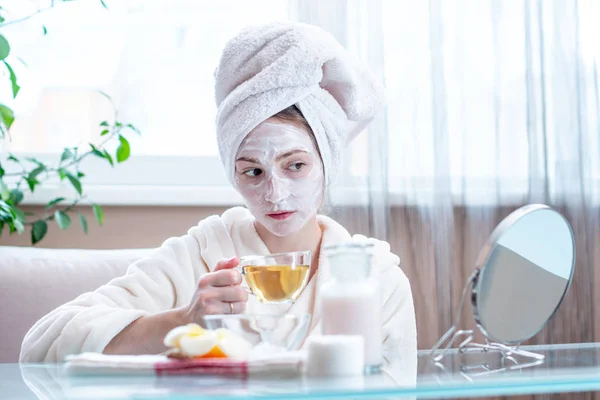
(525, 270)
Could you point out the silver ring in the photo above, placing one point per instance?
(230, 308)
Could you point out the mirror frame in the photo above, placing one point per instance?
(486, 252)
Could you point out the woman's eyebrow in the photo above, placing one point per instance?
(248, 159)
(285, 155)
(291, 153)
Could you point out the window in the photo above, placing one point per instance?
(156, 60)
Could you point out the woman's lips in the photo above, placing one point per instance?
(280, 215)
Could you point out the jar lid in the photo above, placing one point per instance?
(344, 246)
(349, 261)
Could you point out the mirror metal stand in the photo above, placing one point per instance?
(473, 371)
(465, 338)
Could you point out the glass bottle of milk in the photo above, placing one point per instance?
(350, 299)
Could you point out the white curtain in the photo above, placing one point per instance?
(492, 104)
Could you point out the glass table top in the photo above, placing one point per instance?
(566, 368)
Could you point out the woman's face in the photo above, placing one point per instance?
(279, 173)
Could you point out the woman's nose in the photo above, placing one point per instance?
(277, 190)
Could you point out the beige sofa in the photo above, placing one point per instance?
(34, 281)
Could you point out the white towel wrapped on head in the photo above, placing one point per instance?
(268, 68)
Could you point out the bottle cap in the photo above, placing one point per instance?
(349, 261)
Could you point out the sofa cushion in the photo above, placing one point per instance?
(34, 281)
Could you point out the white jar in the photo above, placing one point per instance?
(350, 300)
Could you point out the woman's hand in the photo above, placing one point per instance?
(218, 292)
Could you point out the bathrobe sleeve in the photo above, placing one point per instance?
(398, 317)
(163, 280)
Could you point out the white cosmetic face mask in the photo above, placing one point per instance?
(280, 175)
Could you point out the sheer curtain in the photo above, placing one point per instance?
(492, 104)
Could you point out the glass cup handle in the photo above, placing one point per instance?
(240, 269)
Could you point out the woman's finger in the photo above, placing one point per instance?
(231, 294)
(227, 263)
(224, 277)
(237, 307)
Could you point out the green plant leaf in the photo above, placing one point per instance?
(7, 116)
(80, 174)
(103, 93)
(62, 173)
(19, 214)
(4, 48)
(109, 158)
(34, 160)
(36, 172)
(38, 231)
(62, 219)
(104, 132)
(123, 151)
(1, 227)
(133, 128)
(18, 226)
(13, 80)
(98, 213)
(31, 182)
(1, 21)
(10, 209)
(45, 30)
(54, 202)
(2, 172)
(103, 4)
(75, 182)
(84, 223)
(104, 123)
(16, 196)
(11, 157)
(102, 154)
(6, 211)
(66, 155)
(97, 152)
(19, 220)
(4, 192)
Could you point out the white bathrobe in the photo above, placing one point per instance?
(167, 279)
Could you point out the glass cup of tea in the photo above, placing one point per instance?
(276, 278)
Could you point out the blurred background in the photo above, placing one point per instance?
(492, 104)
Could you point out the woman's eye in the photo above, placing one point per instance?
(253, 172)
(296, 166)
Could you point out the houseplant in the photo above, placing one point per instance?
(30, 174)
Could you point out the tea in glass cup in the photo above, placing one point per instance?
(277, 278)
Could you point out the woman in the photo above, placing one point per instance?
(289, 97)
